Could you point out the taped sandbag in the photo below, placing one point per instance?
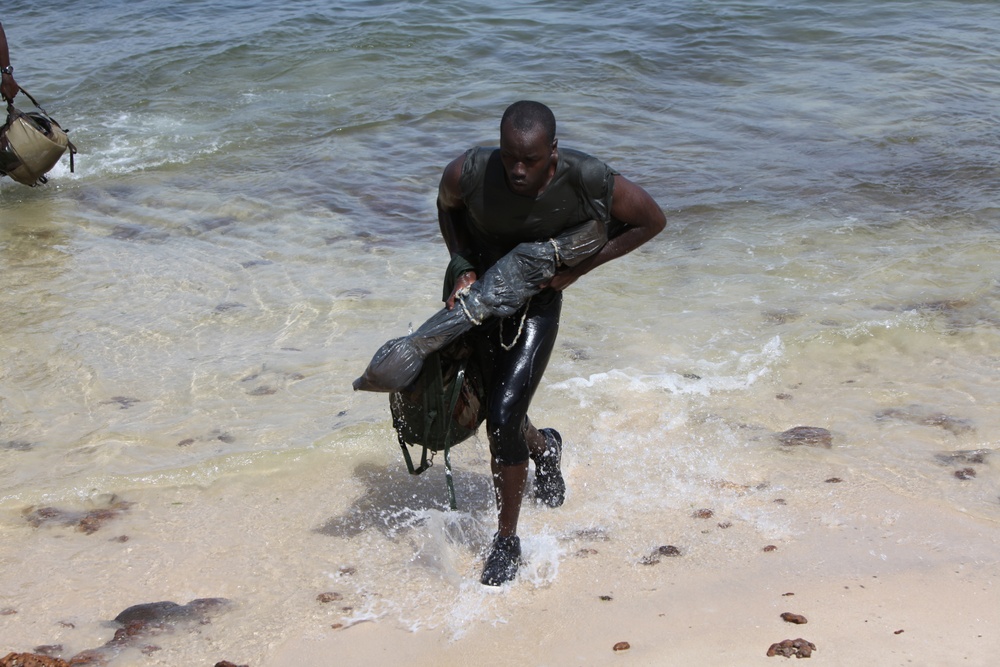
(500, 292)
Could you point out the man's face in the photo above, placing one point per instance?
(527, 159)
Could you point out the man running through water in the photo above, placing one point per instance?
(490, 200)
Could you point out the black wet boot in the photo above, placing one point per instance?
(550, 488)
(501, 564)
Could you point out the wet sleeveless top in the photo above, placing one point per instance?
(580, 190)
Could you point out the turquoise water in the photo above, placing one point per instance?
(252, 215)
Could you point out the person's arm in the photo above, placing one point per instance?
(451, 219)
(643, 219)
(8, 86)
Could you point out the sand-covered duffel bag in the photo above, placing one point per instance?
(31, 144)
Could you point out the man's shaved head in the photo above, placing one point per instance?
(527, 116)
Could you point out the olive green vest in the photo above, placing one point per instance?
(580, 190)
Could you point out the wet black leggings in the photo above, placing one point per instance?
(517, 372)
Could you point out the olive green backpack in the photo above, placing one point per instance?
(31, 144)
(441, 408)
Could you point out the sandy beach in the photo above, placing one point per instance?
(252, 214)
(902, 583)
(882, 578)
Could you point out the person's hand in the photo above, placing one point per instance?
(8, 87)
(463, 281)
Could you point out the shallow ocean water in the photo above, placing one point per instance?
(252, 215)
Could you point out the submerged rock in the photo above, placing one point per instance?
(143, 621)
(85, 521)
(123, 402)
(963, 456)
(810, 436)
(923, 416)
(169, 612)
(17, 445)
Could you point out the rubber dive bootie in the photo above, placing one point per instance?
(501, 564)
(550, 488)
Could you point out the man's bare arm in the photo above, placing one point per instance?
(451, 220)
(643, 218)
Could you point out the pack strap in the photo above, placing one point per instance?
(33, 101)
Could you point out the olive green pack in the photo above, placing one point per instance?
(31, 144)
(442, 407)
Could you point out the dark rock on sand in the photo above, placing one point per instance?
(811, 436)
(770, 547)
(668, 551)
(965, 473)
(31, 660)
(798, 619)
(226, 663)
(800, 648)
(702, 514)
(621, 646)
(329, 597)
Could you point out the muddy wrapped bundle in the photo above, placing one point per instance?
(501, 291)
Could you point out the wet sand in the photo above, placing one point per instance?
(882, 577)
(919, 588)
